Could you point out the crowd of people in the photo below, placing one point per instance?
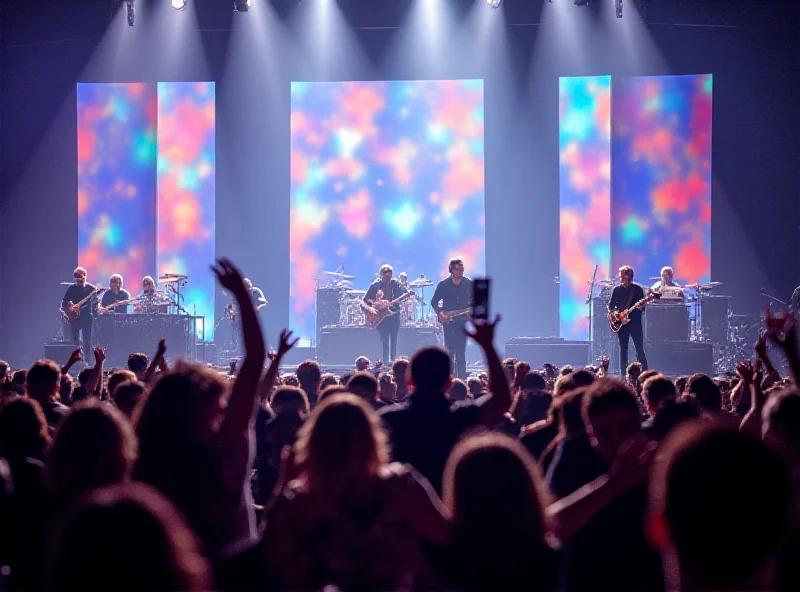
(185, 478)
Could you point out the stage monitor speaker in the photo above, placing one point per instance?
(60, 352)
(342, 345)
(680, 358)
(328, 308)
(574, 353)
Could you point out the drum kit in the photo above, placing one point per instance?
(335, 292)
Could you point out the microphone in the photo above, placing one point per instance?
(763, 291)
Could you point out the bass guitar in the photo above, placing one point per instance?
(445, 316)
(73, 311)
(617, 320)
(116, 304)
(385, 310)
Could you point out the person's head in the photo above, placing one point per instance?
(80, 276)
(705, 391)
(115, 283)
(458, 391)
(565, 370)
(116, 378)
(363, 384)
(508, 368)
(127, 396)
(671, 415)
(430, 370)
(645, 374)
(309, 374)
(570, 410)
(573, 380)
(347, 375)
(475, 387)
(521, 370)
(386, 272)
(5, 370)
(185, 404)
(779, 425)
(289, 400)
(680, 384)
(656, 391)
(23, 430)
(20, 377)
(403, 278)
(626, 274)
(362, 363)
(633, 371)
(387, 387)
(667, 275)
(83, 376)
(341, 443)
(495, 493)
(95, 446)
(611, 414)
(148, 284)
(126, 537)
(247, 284)
(400, 373)
(698, 482)
(329, 391)
(534, 381)
(43, 381)
(138, 363)
(290, 380)
(456, 268)
(328, 379)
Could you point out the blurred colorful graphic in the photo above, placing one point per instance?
(146, 198)
(383, 172)
(635, 169)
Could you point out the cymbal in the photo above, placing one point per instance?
(177, 276)
(339, 275)
(420, 283)
(707, 286)
(356, 292)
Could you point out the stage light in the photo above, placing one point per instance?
(241, 5)
(494, 3)
(130, 6)
(618, 7)
(178, 4)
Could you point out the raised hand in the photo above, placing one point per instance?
(483, 334)
(162, 348)
(230, 277)
(286, 343)
(746, 371)
(75, 356)
(632, 463)
(99, 354)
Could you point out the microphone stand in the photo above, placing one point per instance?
(772, 298)
(589, 301)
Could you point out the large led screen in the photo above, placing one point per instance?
(383, 172)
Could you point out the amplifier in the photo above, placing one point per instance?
(667, 322)
(342, 345)
(680, 358)
(328, 308)
(59, 352)
(556, 351)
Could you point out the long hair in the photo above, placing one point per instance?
(95, 446)
(341, 442)
(23, 430)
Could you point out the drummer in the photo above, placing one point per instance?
(152, 301)
(666, 286)
(403, 277)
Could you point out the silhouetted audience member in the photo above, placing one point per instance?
(387, 388)
(458, 391)
(602, 523)
(656, 391)
(537, 437)
(425, 428)
(497, 500)
(95, 447)
(127, 538)
(350, 519)
(362, 363)
(43, 382)
(309, 374)
(475, 386)
(671, 415)
(720, 502)
(138, 364)
(116, 378)
(400, 373)
(127, 396)
(706, 392)
(365, 385)
(572, 381)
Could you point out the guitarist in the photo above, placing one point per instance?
(390, 289)
(455, 294)
(114, 294)
(75, 293)
(623, 297)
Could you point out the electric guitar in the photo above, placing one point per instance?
(385, 311)
(444, 317)
(619, 319)
(72, 311)
(116, 304)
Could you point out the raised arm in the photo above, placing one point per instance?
(73, 359)
(500, 400)
(93, 382)
(782, 331)
(245, 389)
(157, 362)
(271, 374)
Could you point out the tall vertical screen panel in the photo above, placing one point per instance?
(117, 180)
(661, 170)
(585, 194)
(383, 172)
(186, 196)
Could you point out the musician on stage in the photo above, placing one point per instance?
(667, 286)
(624, 296)
(256, 295)
(114, 294)
(455, 294)
(82, 325)
(380, 293)
(152, 301)
(403, 277)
